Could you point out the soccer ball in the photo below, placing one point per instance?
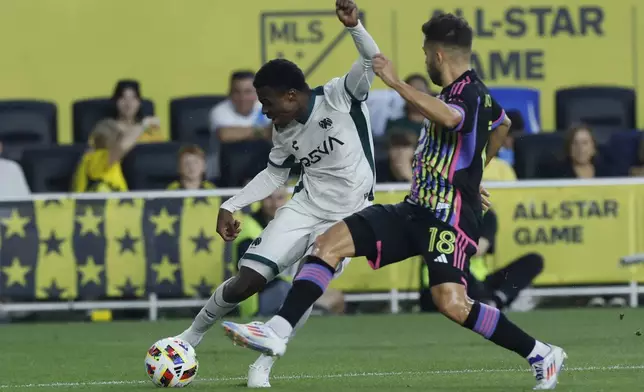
(171, 362)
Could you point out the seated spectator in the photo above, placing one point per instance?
(581, 159)
(412, 121)
(400, 151)
(499, 170)
(506, 152)
(638, 169)
(100, 168)
(237, 119)
(14, 183)
(192, 170)
(127, 111)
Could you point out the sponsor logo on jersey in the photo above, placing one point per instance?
(324, 149)
(325, 123)
(442, 206)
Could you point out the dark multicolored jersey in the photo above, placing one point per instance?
(448, 163)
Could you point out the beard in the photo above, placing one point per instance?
(435, 76)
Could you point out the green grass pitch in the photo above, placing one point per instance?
(352, 353)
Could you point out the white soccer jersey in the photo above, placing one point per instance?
(335, 149)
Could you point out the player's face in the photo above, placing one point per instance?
(582, 149)
(433, 59)
(243, 96)
(128, 104)
(192, 166)
(281, 108)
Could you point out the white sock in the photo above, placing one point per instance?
(540, 349)
(215, 309)
(265, 361)
(280, 326)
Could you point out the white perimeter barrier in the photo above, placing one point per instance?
(394, 297)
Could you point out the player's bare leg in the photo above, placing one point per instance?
(451, 300)
(225, 298)
(313, 279)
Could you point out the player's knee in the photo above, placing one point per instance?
(452, 303)
(324, 249)
(246, 283)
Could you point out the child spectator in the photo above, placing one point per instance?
(192, 170)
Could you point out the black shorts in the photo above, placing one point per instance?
(387, 234)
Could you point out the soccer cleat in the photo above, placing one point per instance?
(546, 370)
(256, 336)
(258, 377)
(190, 337)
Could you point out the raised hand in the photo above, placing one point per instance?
(347, 12)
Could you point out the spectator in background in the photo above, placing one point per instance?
(192, 170)
(127, 111)
(100, 167)
(499, 170)
(238, 118)
(412, 121)
(638, 169)
(581, 157)
(13, 183)
(397, 168)
(506, 152)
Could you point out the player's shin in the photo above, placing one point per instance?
(215, 309)
(309, 285)
(493, 325)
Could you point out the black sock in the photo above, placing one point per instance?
(494, 326)
(309, 285)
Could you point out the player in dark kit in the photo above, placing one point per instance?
(439, 219)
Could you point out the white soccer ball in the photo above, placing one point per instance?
(171, 362)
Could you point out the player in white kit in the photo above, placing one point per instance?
(326, 130)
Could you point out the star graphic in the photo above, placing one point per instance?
(202, 242)
(200, 200)
(90, 272)
(15, 224)
(16, 273)
(163, 223)
(129, 202)
(165, 270)
(54, 291)
(89, 222)
(53, 243)
(203, 288)
(128, 290)
(127, 242)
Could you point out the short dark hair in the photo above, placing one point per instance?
(416, 76)
(518, 124)
(241, 75)
(281, 75)
(449, 30)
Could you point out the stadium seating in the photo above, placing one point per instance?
(151, 166)
(86, 113)
(524, 100)
(51, 168)
(621, 150)
(25, 124)
(531, 151)
(240, 160)
(600, 107)
(190, 117)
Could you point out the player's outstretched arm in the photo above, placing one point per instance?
(432, 108)
(259, 188)
(497, 137)
(361, 75)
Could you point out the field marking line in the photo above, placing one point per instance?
(330, 376)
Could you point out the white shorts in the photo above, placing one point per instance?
(286, 239)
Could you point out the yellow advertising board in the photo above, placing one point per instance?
(66, 50)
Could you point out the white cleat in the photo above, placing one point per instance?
(547, 370)
(258, 377)
(190, 337)
(256, 336)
